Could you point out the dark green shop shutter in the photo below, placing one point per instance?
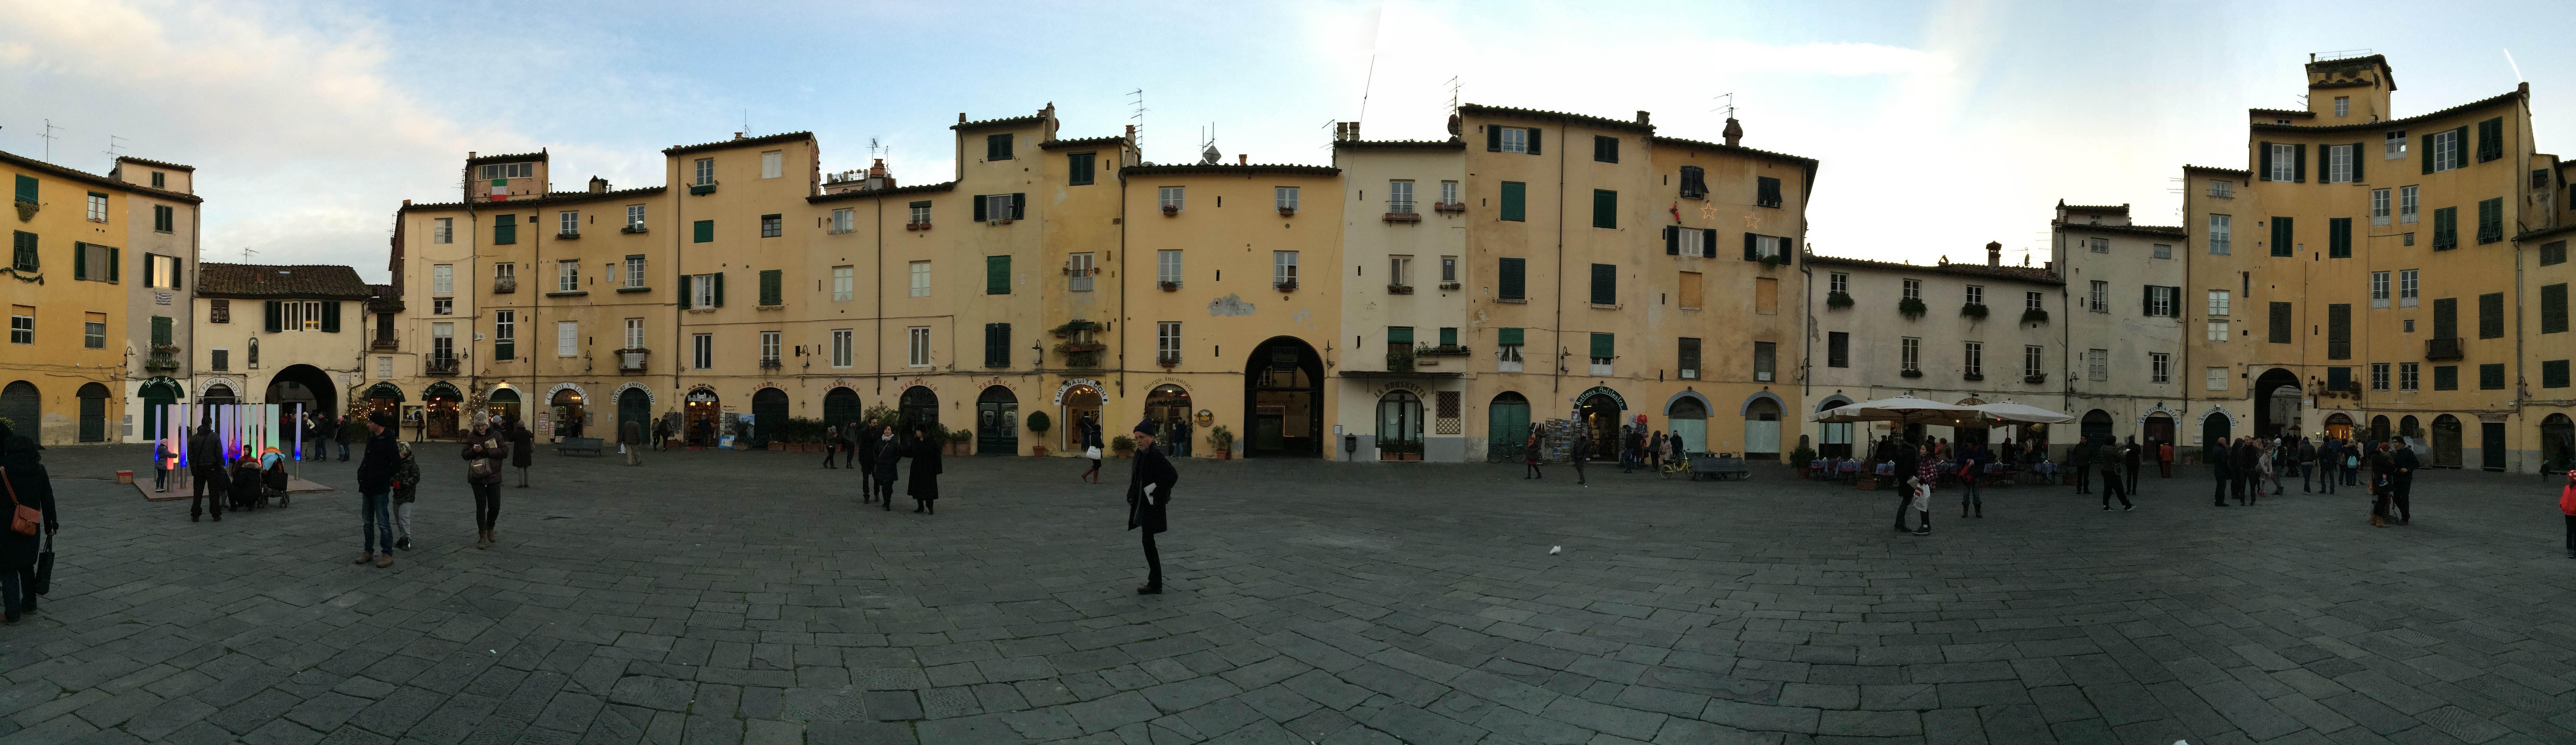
(2491, 220)
(1399, 334)
(684, 291)
(1514, 279)
(997, 275)
(2280, 331)
(1605, 208)
(2553, 308)
(331, 317)
(505, 229)
(1515, 199)
(2299, 163)
(2339, 238)
(1605, 284)
(1672, 241)
(1078, 169)
(1507, 337)
(272, 316)
(2263, 161)
(1605, 346)
(1449, 336)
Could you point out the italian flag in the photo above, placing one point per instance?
(500, 190)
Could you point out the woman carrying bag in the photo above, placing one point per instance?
(26, 561)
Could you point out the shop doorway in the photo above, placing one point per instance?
(700, 416)
(2557, 444)
(504, 402)
(93, 413)
(1284, 399)
(1079, 410)
(2096, 427)
(1600, 415)
(768, 416)
(1689, 417)
(1762, 430)
(997, 422)
(158, 396)
(440, 403)
(920, 409)
(216, 395)
(634, 406)
(1836, 441)
(2446, 441)
(2339, 427)
(382, 398)
(572, 419)
(1399, 425)
(1507, 427)
(2160, 429)
(24, 409)
(841, 409)
(1169, 405)
(2491, 443)
(2277, 400)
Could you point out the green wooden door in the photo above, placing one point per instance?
(1506, 427)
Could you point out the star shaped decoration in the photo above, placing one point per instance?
(1752, 221)
(1708, 212)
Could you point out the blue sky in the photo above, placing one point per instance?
(1940, 125)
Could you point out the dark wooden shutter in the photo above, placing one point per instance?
(2446, 318)
(1788, 249)
(1020, 201)
(2491, 377)
(115, 263)
(2147, 301)
(80, 260)
(1672, 241)
(331, 316)
(1750, 252)
(2263, 161)
(2299, 163)
(1605, 284)
(2490, 139)
(1514, 273)
(1515, 198)
(1605, 346)
(997, 345)
(2339, 238)
(1493, 139)
(997, 275)
(2460, 145)
(2280, 332)
(2282, 236)
(1605, 208)
(2356, 161)
(272, 313)
(979, 208)
(2339, 331)
(2491, 316)
(1078, 169)
(1533, 140)
(27, 188)
(2424, 150)
(705, 230)
(684, 291)
(2553, 308)
(771, 290)
(719, 280)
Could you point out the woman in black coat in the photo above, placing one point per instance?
(30, 486)
(924, 486)
(887, 454)
(522, 445)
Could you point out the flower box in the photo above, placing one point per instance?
(1911, 307)
(1973, 310)
(1287, 211)
(1285, 286)
(1169, 286)
(1404, 217)
(1399, 289)
(1448, 285)
(1448, 207)
(916, 226)
(2034, 315)
(1911, 374)
(1838, 299)
(1167, 361)
(1169, 210)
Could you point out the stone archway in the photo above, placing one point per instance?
(2277, 400)
(1283, 399)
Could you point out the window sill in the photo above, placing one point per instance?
(702, 188)
(842, 231)
(567, 235)
(574, 293)
(701, 310)
(634, 289)
(1972, 376)
(632, 229)
(2406, 302)
(780, 306)
(1514, 301)
(2407, 219)
(1599, 306)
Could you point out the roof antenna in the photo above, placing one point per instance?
(112, 145)
(1729, 106)
(746, 122)
(1139, 116)
(246, 252)
(49, 140)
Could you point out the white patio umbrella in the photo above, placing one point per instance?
(1901, 409)
(2015, 413)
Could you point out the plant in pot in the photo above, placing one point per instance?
(1038, 423)
(1170, 285)
(1973, 310)
(1801, 457)
(1399, 359)
(1838, 299)
(1170, 210)
(1221, 441)
(1911, 307)
(2034, 315)
(1122, 445)
(962, 441)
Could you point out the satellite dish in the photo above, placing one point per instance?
(1210, 156)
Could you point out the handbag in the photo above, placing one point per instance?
(44, 584)
(23, 519)
(1092, 452)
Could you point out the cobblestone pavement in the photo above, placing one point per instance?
(747, 597)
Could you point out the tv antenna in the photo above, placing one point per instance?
(49, 140)
(1139, 116)
(1208, 156)
(1728, 107)
(1454, 85)
(246, 252)
(112, 145)
(746, 122)
(874, 148)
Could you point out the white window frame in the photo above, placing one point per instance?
(2101, 300)
(2408, 283)
(505, 328)
(706, 172)
(2343, 106)
(1507, 357)
(1449, 192)
(442, 280)
(1078, 271)
(1976, 294)
(921, 215)
(2222, 189)
(568, 275)
(2161, 302)
(918, 348)
(2159, 367)
(2379, 375)
(98, 208)
(2409, 377)
(2219, 302)
(2162, 251)
(771, 343)
(2097, 364)
(843, 342)
(920, 274)
(1912, 289)
(1694, 241)
(2217, 331)
(1399, 270)
(2406, 204)
(702, 351)
(1167, 340)
(2394, 145)
(1909, 353)
(2221, 230)
(2098, 245)
(2031, 300)
(1399, 196)
(1515, 139)
(844, 220)
(1173, 197)
(773, 163)
(568, 222)
(635, 216)
(1838, 282)
(634, 333)
(1283, 267)
(1972, 358)
(2033, 359)
(1167, 265)
(1286, 196)
(2214, 379)
(997, 207)
(844, 283)
(2379, 199)
(704, 287)
(2379, 286)
(442, 341)
(567, 338)
(442, 230)
(2448, 151)
(635, 271)
(1768, 246)
(2284, 162)
(2339, 163)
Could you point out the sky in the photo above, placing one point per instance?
(1940, 126)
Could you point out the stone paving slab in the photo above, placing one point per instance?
(748, 598)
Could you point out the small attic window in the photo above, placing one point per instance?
(2280, 121)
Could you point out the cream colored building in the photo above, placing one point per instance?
(2119, 325)
(1949, 332)
(287, 335)
(1404, 300)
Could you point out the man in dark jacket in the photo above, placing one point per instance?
(2081, 457)
(2242, 463)
(375, 490)
(1149, 491)
(2130, 456)
(206, 469)
(2115, 481)
(866, 447)
(1907, 460)
(850, 439)
(2401, 482)
(888, 454)
(2219, 457)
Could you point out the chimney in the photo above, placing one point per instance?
(1242, 159)
(1994, 253)
(737, 135)
(406, 202)
(1641, 119)
(2049, 266)
(961, 117)
(598, 185)
(1355, 130)
(1734, 132)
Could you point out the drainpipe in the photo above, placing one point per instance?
(679, 312)
(878, 357)
(1556, 384)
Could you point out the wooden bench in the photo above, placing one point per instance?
(1718, 467)
(570, 445)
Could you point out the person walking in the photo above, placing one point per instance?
(1149, 493)
(2115, 479)
(2329, 464)
(661, 433)
(2164, 458)
(2306, 454)
(1680, 455)
(343, 428)
(1580, 450)
(2381, 466)
(2401, 482)
(831, 444)
(888, 454)
(1090, 428)
(631, 433)
(2081, 457)
(2567, 506)
(850, 438)
(486, 448)
(23, 477)
(1972, 461)
(1529, 454)
(406, 487)
(523, 448)
(1632, 444)
(1655, 454)
(867, 450)
(375, 491)
(2354, 452)
(1905, 456)
(2130, 456)
(2221, 460)
(923, 486)
(1927, 472)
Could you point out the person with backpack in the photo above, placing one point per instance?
(406, 485)
(831, 444)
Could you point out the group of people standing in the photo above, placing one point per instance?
(1657, 451)
(2242, 466)
(876, 452)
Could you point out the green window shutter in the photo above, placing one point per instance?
(2446, 228)
(2490, 139)
(2339, 238)
(115, 264)
(272, 317)
(331, 317)
(1605, 208)
(2553, 308)
(161, 330)
(684, 291)
(1515, 201)
(1493, 139)
(1507, 337)
(26, 188)
(1605, 284)
(2460, 146)
(771, 293)
(979, 208)
(705, 231)
(997, 147)
(1399, 334)
(2424, 150)
(80, 260)
(2491, 377)
(2280, 331)
(1605, 346)
(2263, 161)
(2553, 374)
(719, 280)
(2299, 163)
(1019, 204)
(505, 229)
(1078, 169)
(1672, 241)
(2446, 377)
(2446, 318)
(1514, 279)
(1449, 336)
(2491, 316)
(997, 275)
(2491, 220)
(1751, 252)
(2282, 235)
(1533, 140)
(2339, 331)
(2357, 161)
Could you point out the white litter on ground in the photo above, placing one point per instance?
(1554, 550)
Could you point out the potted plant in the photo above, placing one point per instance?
(1911, 307)
(2034, 315)
(1037, 422)
(1221, 442)
(962, 441)
(1774, 261)
(1800, 458)
(1399, 359)
(1170, 210)
(1122, 446)
(1911, 373)
(1286, 211)
(1288, 286)
(1838, 299)
(1973, 310)
(1169, 285)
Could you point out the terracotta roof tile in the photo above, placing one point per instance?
(1724, 148)
(555, 198)
(156, 163)
(744, 142)
(894, 192)
(2154, 231)
(2397, 123)
(1509, 112)
(1083, 142)
(1231, 170)
(326, 281)
(2031, 274)
(1448, 144)
(93, 179)
(1008, 121)
(540, 154)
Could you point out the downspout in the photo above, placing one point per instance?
(679, 310)
(2065, 265)
(877, 359)
(1556, 384)
(1122, 290)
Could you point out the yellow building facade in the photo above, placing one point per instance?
(97, 298)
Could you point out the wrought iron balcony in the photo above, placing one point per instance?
(505, 285)
(2445, 348)
(439, 365)
(631, 360)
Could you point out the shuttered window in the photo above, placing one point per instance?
(2553, 252)
(1605, 208)
(1513, 272)
(2338, 378)
(1838, 349)
(1605, 284)
(997, 345)
(22, 251)
(2446, 318)
(2446, 228)
(2491, 316)
(1605, 149)
(997, 147)
(1508, 337)
(505, 229)
(2553, 308)
(2280, 331)
(705, 231)
(2553, 374)
(1604, 346)
(2339, 238)
(2491, 220)
(2491, 139)
(771, 293)
(2491, 376)
(1077, 169)
(997, 275)
(2339, 331)
(2281, 236)
(1766, 192)
(1515, 198)
(27, 188)
(1399, 335)
(2446, 377)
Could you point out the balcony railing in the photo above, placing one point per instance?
(504, 285)
(1440, 350)
(161, 362)
(769, 363)
(2444, 348)
(1448, 207)
(440, 365)
(631, 360)
(385, 344)
(1167, 359)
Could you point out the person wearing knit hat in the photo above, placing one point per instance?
(376, 469)
(1149, 492)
